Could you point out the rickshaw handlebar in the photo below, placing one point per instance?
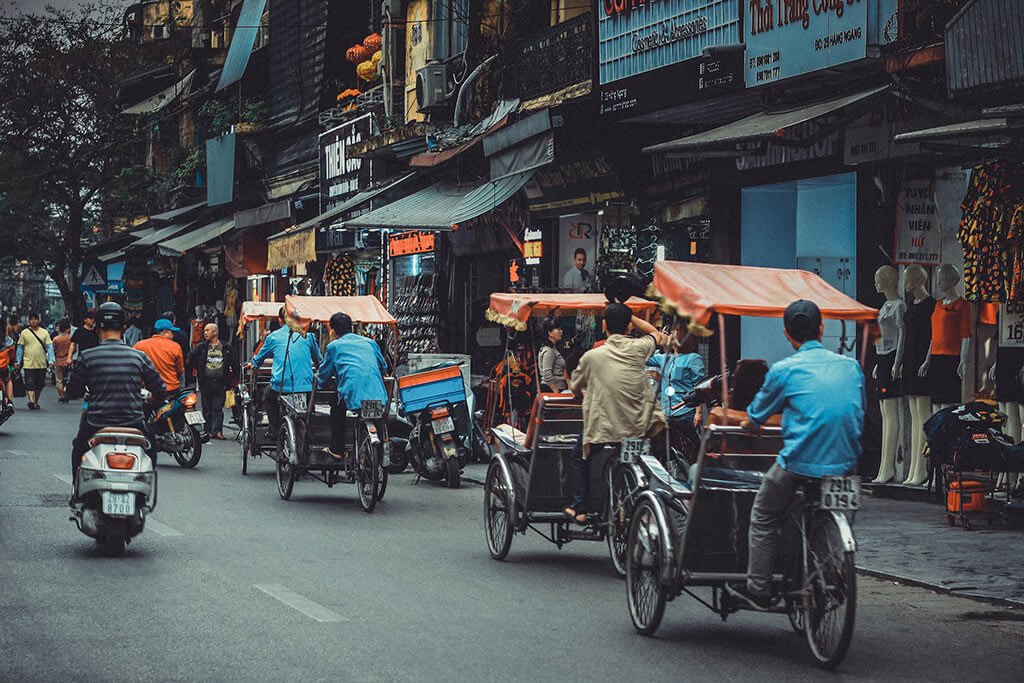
(736, 429)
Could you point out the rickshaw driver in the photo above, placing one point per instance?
(821, 397)
(300, 352)
(357, 365)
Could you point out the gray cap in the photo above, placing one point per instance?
(802, 316)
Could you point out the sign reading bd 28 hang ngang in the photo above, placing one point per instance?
(787, 38)
(649, 53)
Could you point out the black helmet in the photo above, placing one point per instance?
(110, 316)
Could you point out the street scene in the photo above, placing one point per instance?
(434, 340)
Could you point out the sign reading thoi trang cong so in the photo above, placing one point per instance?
(790, 37)
(649, 53)
(342, 175)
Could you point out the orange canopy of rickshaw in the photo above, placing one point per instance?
(514, 309)
(362, 309)
(257, 310)
(700, 289)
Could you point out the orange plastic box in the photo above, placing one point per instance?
(973, 497)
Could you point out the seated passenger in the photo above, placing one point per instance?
(679, 370)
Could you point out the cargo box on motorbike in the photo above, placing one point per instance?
(419, 390)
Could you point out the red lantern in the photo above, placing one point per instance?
(357, 54)
(373, 42)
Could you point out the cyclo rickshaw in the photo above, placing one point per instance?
(692, 532)
(306, 420)
(252, 434)
(528, 482)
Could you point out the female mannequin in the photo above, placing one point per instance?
(1008, 373)
(889, 351)
(946, 362)
(918, 332)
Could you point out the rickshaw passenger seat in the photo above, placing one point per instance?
(722, 417)
(547, 406)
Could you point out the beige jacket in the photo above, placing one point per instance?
(618, 401)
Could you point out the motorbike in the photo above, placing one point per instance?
(6, 410)
(434, 448)
(115, 488)
(179, 428)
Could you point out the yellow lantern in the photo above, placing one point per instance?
(367, 71)
(377, 56)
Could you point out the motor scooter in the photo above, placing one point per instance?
(115, 488)
(435, 450)
(179, 428)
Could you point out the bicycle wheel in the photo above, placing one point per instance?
(498, 518)
(367, 468)
(831, 604)
(620, 507)
(645, 561)
(247, 437)
(285, 454)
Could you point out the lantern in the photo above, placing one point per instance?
(373, 42)
(367, 71)
(357, 54)
(377, 56)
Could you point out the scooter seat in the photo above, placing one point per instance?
(130, 436)
(122, 430)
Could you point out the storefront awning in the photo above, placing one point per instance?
(160, 235)
(178, 246)
(175, 213)
(160, 100)
(261, 215)
(250, 20)
(765, 125)
(964, 129)
(442, 206)
(515, 309)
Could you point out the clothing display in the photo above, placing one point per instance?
(992, 233)
(988, 313)
(890, 318)
(340, 276)
(951, 324)
(885, 386)
(917, 328)
(944, 384)
(1009, 361)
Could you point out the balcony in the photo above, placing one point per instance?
(549, 61)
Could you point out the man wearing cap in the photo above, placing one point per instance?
(165, 353)
(821, 397)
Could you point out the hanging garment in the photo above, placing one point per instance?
(340, 276)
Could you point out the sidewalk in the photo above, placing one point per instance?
(911, 542)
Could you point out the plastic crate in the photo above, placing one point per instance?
(973, 495)
(419, 390)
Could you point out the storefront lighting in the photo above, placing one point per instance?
(600, 212)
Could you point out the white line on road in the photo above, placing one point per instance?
(296, 601)
(152, 524)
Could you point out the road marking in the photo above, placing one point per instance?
(152, 524)
(296, 601)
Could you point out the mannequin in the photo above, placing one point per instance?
(1008, 374)
(918, 332)
(946, 361)
(889, 349)
(988, 318)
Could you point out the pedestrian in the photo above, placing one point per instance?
(35, 356)
(8, 346)
(550, 360)
(133, 333)
(179, 336)
(213, 363)
(83, 338)
(62, 364)
(164, 353)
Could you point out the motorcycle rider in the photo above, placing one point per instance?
(821, 397)
(114, 375)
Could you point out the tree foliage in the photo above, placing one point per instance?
(63, 142)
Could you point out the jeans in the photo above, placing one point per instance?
(771, 504)
(86, 431)
(272, 409)
(213, 407)
(339, 421)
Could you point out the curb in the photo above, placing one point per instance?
(991, 600)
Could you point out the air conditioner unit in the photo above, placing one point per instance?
(431, 86)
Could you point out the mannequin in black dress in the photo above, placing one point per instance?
(918, 330)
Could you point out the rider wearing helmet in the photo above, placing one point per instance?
(114, 375)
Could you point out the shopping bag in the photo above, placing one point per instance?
(19, 384)
(229, 399)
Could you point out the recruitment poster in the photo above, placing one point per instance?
(918, 238)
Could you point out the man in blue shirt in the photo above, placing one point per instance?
(821, 397)
(357, 365)
(294, 357)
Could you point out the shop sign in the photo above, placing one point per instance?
(649, 53)
(577, 251)
(787, 38)
(870, 138)
(918, 238)
(533, 252)
(411, 242)
(1011, 325)
(342, 174)
(777, 155)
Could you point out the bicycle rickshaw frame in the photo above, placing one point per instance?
(252, 442)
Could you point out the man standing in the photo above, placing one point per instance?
(214, 365)
(84, 338)
(35, 355)
(577, 278)
(821, 397)
(618, 401)
(133, 333)
(61, 346)
(164, 353)
(180, 338)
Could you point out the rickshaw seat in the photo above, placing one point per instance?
(728, 416)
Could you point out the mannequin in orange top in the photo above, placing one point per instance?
(946, 361)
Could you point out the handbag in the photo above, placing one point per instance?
(229, 399)
(18, 383)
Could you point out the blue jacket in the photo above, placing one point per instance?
(358, 366)
(682, 372)
(294, 357)
(821, 397)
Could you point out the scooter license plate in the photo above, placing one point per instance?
(443, 425)
(631, 449)
(118, 504)
(840, 493)
(194, 417)
(371, 410)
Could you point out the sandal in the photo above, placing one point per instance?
(334, 456)
(580, 518)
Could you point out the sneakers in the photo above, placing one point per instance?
(744, 599)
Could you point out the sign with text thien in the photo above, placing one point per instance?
(918, 239)
(341, 174)
(790, 37)
(649, 53)
(411, 242)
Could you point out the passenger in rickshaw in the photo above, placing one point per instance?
(550, 362)
(679, 369)
(294, 356)
(618, 401)
(358, 367)
(821, 397)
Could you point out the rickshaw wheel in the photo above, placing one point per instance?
(796, 617)
(382, 479)
(285, 454)
(248, 436)
(620, 507)
(645, 562)
(367, 468)
(831, 606)
(498, 513)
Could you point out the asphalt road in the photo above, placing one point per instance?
(234, 584)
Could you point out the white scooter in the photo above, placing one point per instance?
(115, 488)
